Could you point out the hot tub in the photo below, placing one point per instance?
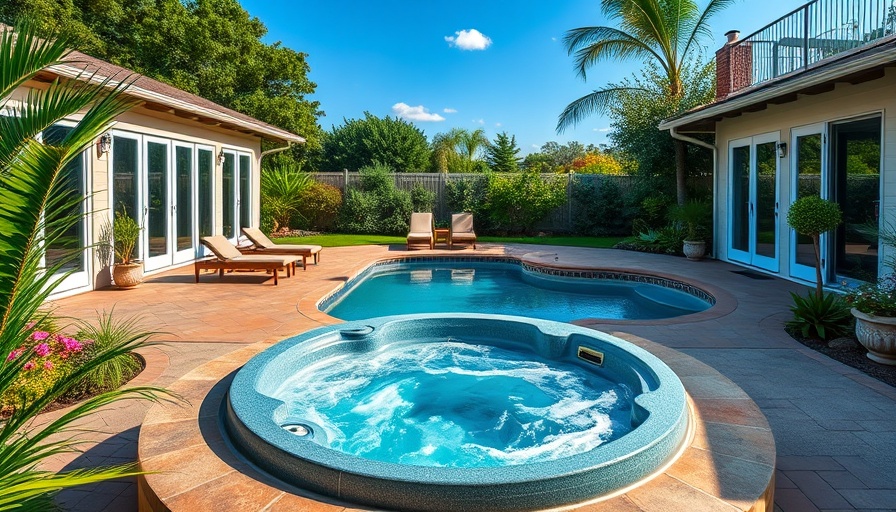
(512, 414)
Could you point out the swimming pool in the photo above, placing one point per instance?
(510, 287)
(457, 413)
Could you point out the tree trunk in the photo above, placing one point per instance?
(818, 284)
(681, 152)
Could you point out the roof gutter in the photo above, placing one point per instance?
(673, 131)
(274, 150)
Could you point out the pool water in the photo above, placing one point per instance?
(448, 403)
(501, 288)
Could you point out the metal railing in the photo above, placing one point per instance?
(811, 33)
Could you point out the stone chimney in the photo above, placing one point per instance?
(734, 65)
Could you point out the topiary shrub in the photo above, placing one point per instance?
(812, 216)
(319, 207)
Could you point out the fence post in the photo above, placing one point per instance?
(569, 178)
(344, 181)
(443, 213)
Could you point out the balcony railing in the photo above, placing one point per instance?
(813, 32)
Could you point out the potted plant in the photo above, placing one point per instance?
(694, 214)
(874, 307)
(128, 272)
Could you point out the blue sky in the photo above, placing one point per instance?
(392, 56)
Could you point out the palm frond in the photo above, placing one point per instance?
(594, 44)
(23, 54)
(28, 492)
(598, 102)
(701, 26)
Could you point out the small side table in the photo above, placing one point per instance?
(441, 235)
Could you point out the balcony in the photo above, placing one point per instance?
(816, 31)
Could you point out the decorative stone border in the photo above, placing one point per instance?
(728, 465)
(527, 266)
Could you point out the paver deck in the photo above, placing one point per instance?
(834, 427)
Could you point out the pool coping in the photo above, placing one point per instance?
(728, 465)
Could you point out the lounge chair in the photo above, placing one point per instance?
(462, 230)
(263, 245)
(421, 231)
(228, 257)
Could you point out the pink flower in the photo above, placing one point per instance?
(29, 365)
(40, 335)
(71, 344)
(48, 365)
(43, 350)
(14, 354)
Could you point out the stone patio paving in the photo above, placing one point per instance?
(835, 428)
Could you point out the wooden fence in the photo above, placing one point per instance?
(560, 220)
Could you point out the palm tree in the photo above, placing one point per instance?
(664, 32)
(32, 184)
(459, 149)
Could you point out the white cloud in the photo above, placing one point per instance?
(602, 130)
(449, 111)
(469, 40)
(479, 121)
(418, 113)
(535, 146)
(498, 125)
(554, 39)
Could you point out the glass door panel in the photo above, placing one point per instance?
(740, 202)
(126, 196)
(806, 166)
(766, 236)
(245, 197)
(229, 195)
(157, 205)
(183, 203)
(205, 191)
(855, 168)
(67, 252)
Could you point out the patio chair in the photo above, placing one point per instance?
(421, 231)
(263, 245)
(228, 257)
(462, 230)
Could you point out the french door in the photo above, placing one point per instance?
(753, 189)
(809, 172)
(236, 174)
(157, 203)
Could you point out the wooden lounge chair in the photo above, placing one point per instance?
(462, 230)
(228, 257)
(263, 245)
(421, 231)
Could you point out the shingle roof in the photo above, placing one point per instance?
(162, 97)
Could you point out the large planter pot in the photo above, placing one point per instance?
(694, 250)
(127, 275)
(878, 335)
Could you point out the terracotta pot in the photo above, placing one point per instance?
(127, 275)
(878, 335)
(694, 250)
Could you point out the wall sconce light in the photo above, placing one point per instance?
(104, 143)
(782, 149)
(221, 157)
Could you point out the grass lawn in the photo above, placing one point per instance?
(338, 240)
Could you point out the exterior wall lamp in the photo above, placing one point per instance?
(221, 157)
(782, 149)
(104, 144)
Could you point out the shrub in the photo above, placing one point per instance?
(822, 317)
(665, 240)
(266, 218)
(319, 206)
(696, 215)
(599, 208)
(518, 201)
(377, 207)
(281, 189)
(470, 194)
(125, 233)
(878, 299)
(422, 199)
(812, 215)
